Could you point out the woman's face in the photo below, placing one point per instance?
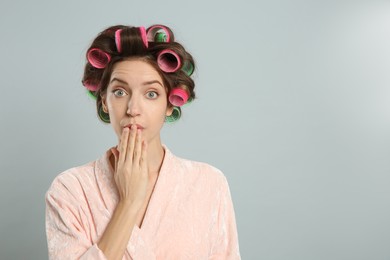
(136, 96)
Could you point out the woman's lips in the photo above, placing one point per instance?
(137, 125)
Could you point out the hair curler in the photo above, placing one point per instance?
(168, 61)
(158, 33)
(176, 114)
(160, 37)
(91, 94)
(188, 68)
(103, 115)
(118, 40)
(90, 85)
(179, 96)
(143, 36)
(98, 58)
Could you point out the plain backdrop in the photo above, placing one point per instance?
(293, 106)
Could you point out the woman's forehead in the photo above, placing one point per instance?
(135, 70)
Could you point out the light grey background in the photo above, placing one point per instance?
(294, 107)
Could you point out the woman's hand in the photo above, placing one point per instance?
(131, 170)
(131, 178)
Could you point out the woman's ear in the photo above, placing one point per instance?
(104, 104)
(169, 110)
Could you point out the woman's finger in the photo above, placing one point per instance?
(123, 146)
(138, 148)
(131, 144)
(144, 158)
(115, 152)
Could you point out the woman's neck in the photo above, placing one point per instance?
(156, 155)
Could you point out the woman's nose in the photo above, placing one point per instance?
(133, 107)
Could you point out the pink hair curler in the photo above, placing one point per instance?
(154, 34)
(168, 61)
(90, 86)
(118, 40)
(178, 96)
(143, 35)
(98, 58)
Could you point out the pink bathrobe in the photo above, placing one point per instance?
(190, 214)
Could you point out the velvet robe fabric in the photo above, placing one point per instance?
(190, 214)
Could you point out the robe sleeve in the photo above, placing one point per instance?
(226, 245)
(68, 228)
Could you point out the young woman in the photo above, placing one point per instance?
(139, 201)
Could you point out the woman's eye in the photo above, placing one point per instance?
(152, 94)
(119, 92)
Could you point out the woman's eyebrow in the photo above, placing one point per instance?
(152, 82)
(119, 80)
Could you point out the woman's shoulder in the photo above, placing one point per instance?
(81, 177)
(73, 178)
(197, 169)
(198, 166)
(76, 172)
(202, 178)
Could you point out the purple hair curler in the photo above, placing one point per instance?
(154, 34)
(143, 35)
(118, 40)
(178, 96)
(98, 58)
(168, 61)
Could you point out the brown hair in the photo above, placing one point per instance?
(133, 47)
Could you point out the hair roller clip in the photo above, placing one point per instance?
(168, 61)
(176, 114)
(118, 40)
(188, 68)
(98, 58)
(158, 33)
(143, 36)
(179, 96)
